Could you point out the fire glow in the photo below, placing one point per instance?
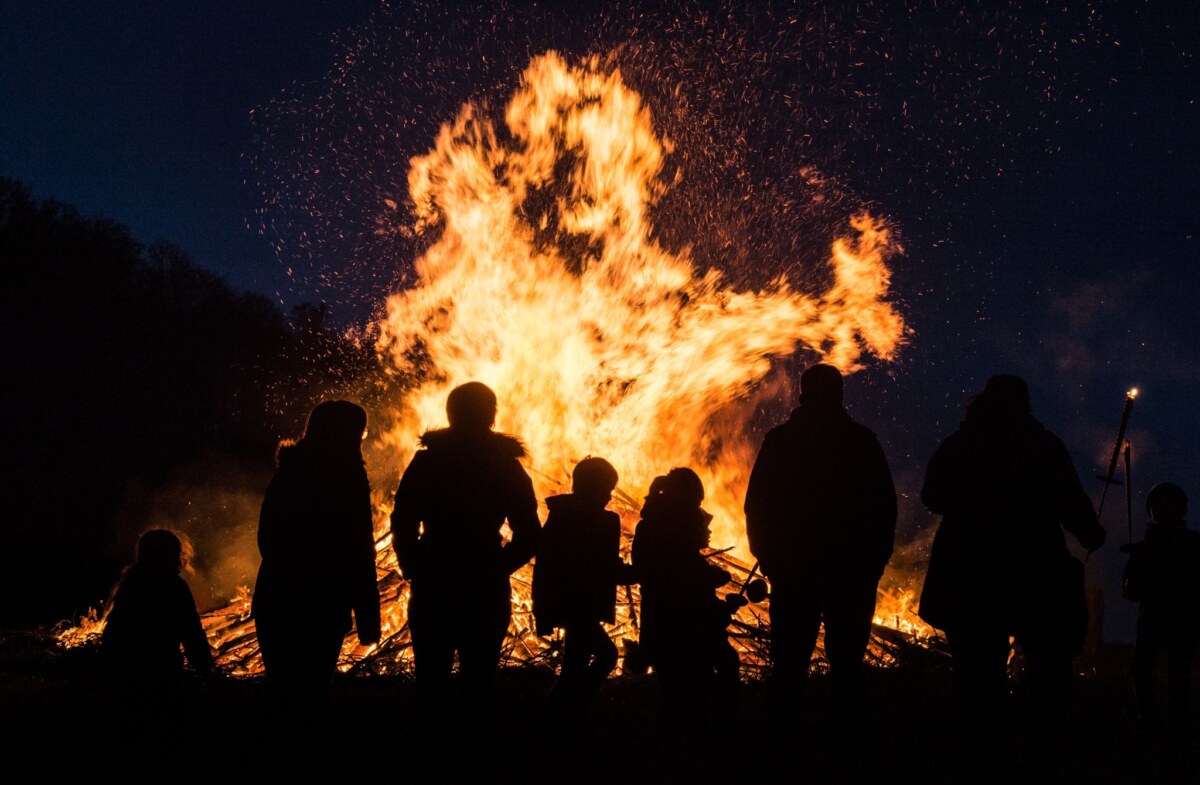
(545, 282)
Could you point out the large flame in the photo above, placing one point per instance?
(623, 349)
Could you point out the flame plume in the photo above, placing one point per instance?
(624, 350)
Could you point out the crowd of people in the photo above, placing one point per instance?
(820, 519)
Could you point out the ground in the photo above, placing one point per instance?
(61, 722)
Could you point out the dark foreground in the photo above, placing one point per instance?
(60, 722)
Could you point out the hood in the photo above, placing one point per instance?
(448, 439)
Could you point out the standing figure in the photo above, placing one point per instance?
(821, 520)
(1163, 578)
(575, 579)
(454, 498)
(316, 537)
(999, 566)
(151, 615)
(683, 630)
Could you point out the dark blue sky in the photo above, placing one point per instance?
(1040, 162)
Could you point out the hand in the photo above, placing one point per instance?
(369, 637)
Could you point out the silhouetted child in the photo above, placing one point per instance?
(683, 635)
(1163, 577)
(153, 614)
(575, 578)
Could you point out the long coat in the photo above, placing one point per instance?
(316, 538)
(1006, 491)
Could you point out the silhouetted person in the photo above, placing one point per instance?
(315, 534)
(575, 578)
(683, 628)
(152, 615)
(453, 499)
(999, 566)
(821, 520)
(1163, 577)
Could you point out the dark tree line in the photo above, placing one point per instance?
(124, 365)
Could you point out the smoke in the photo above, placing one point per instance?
(216, 506)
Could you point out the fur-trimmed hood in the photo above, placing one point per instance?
(448, 438)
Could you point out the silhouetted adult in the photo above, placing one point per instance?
(316, 539)
(452, 502)
(999, 566)
(821, 520)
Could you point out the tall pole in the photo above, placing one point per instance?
(1110, 478)
(1128, 493)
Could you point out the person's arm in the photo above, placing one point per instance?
(269, 529)
(407, 514)
(192, 635)
(937, 492)
(1077, 513)
(523, 521)
(883, 495)
(761, 502)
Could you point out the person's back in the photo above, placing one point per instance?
(152, 615)
(575, 576)
(683, 630)
(463, 486)
(452, 502)
(1007, 490)
(821, 500)
(821, 520)
(679, 604)
(578, 564)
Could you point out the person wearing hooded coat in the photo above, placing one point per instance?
(821, 520)
(999, 567)
(452, 502)
(316, 538)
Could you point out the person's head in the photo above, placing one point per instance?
(471, 407)
(594, 480)
(821, 386)
(684, 487)
(1166, 503)
(336, 427)
(162, 551)
(1004, 398)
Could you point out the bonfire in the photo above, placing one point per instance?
(543, 279)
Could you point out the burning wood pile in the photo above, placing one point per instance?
(231, 631)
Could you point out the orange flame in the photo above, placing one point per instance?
(629, 351)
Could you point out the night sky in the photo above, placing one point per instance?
(1039, 162)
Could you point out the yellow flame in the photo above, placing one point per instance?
(630, 352)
